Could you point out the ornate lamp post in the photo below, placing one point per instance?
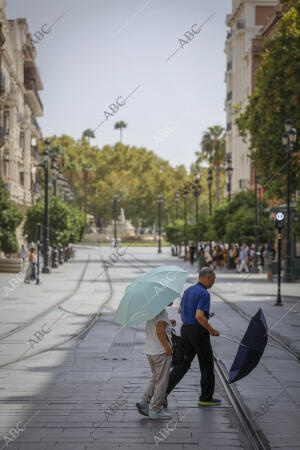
(185, 194)
(229, 171)
(289, 137)
(45, 166)
(159, 203)
(197, 190)
(209, 182)
(55, 172)
(115, 200)
(177, 197)
(255, 268)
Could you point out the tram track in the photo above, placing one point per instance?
(79, 334)
(252, 431)
(284, 344)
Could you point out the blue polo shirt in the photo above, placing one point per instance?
(195, 297)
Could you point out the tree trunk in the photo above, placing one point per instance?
(218, 184)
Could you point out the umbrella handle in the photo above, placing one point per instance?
(233, 340)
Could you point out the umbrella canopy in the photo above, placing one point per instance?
(251, 348)
(149, 294)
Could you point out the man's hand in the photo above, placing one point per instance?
(173, 322)
(168, 350)
(214, 332)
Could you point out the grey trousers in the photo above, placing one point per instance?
(160, 367)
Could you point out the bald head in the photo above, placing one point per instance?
(207, 276)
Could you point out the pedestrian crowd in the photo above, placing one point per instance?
(234, 257)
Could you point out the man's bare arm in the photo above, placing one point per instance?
(200, 317)
(161, 334)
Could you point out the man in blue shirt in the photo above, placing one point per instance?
(195, 333)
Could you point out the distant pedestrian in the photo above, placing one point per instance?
(243, 259)
(30, 272)
(192, 253)
(202, 260)
(22, 254)
(262, 256)
(232, 256)
(195, 333)
(269, 256)
(159, 354)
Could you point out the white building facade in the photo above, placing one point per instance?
(20, 105)
(245, 21)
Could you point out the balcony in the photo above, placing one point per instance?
(229, 66)
(35, 123)
(229, 96)
(32, 97)
(241, 24)
(229, 34)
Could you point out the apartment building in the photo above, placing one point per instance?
(20, 105)
(245, 21)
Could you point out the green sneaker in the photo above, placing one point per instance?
(213, 401)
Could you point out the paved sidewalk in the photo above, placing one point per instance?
(81, 395)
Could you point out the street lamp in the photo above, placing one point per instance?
(229, 171)
(159, 203)
(197, 189)
(45, 166)
(289, 137)
(55, 171)
(115, 200)
(255, 268)
(185, 194)
(209, 182)
(177, 197)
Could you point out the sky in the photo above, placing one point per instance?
(167, 83)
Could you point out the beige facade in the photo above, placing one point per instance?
(245, 21)
(20, 105)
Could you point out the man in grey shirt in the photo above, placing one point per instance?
(159, 354)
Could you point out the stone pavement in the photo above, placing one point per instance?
(82, 394)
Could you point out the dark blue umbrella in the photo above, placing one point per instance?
(251, 348)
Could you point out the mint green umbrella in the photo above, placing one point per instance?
(149, 294)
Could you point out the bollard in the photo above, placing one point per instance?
(61, 255)
(55, 258)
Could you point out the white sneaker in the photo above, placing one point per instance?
(159, 416)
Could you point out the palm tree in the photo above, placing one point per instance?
(88, 133)
(213, 148)
(120, 125)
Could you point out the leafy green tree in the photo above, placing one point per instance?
(213, 149)
(77, 225)
(175, 232)
(235, 221)
(10, 218)
(64, 226)
(276, 97)
(119, 126)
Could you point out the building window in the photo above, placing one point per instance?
(22, 140)
(241, 24)
(6, 124)
(243, 184)
(229, 126)
(22, 178)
